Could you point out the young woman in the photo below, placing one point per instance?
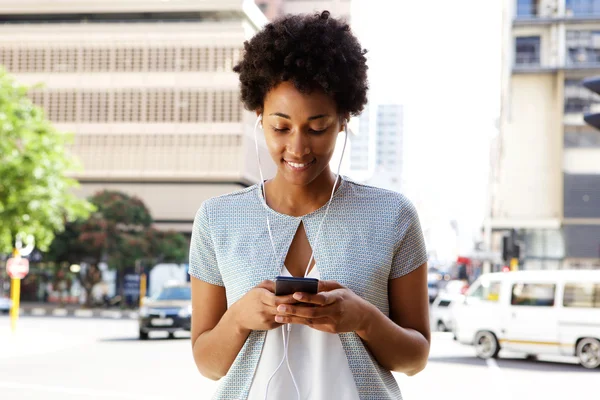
(304, 76)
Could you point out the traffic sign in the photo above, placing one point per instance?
(17, 268)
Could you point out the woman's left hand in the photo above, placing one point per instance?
(336, 309)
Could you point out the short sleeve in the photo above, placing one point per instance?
(203, 260)
(410, 251)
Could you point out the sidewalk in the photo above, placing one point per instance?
(73, 310)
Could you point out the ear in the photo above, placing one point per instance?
(259, 115)
(345, 119)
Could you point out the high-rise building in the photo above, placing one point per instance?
(547, 174)
(277, 8)
(376, 152)
(147, 88)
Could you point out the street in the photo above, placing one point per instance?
(53, 358)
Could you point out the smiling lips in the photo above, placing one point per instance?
(299, 166)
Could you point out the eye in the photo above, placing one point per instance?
(315, 131)
(279, 129)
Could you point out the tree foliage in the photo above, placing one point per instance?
(119, 233)
(35, 191)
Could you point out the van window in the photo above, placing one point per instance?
(533, 294)
(489, 291)
(444, 303)
(582, 295)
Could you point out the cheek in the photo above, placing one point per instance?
(275, 147)
(324, 145)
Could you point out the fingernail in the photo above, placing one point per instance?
(281, 308)
(278, 318)
(298, 296)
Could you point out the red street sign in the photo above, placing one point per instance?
(17, 268)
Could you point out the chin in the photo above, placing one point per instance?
(299, 179)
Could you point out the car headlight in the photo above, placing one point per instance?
(144, 311)
(185, 312)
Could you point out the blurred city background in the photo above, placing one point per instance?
(118, 118)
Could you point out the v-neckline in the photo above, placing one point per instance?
(312, 271)
(337, 192)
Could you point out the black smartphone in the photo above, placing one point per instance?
(285, 285)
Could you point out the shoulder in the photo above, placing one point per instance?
(378, 199)
(229, 203)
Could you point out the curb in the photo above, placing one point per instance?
(77, 313)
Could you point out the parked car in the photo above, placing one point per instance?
(170, 310)
(533, 312)
(440, 312)
(5, 304)
(456, 287)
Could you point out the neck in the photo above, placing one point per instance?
(298, 200)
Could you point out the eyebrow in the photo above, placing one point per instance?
(277, 114)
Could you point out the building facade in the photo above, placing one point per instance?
(277, 8)
(147, 88)
(547, 171)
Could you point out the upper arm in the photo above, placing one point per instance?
(409, 301)
(209, 303)
(407, 286)
(209, 300)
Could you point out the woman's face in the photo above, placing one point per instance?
(300, 131)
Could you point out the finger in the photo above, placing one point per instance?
(321, 299)
(267, 284)
(326, 286)
(304, 312)
(271, 300)
(292, 319)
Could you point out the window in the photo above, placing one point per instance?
(582, 295)
(444, 303)
(582, 7)
(533, 294)
(582, 140)
(488, 291)
(577, 98)
(526, 8)
(583, 47)
(527, 50)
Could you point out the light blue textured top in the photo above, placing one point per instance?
(371, 235)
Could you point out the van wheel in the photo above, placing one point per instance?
(486, 345)
(143, 335)
(588, 352)
(441, 327)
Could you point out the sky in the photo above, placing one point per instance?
(441, 60)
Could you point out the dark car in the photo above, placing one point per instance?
(170, 311)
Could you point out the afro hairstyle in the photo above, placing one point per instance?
(313, 52)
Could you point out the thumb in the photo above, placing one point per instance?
(326, 286)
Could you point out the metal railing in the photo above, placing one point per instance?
(525, 59)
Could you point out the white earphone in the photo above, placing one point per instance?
(286, 332)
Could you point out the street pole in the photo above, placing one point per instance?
(142, 288)
(15, 295)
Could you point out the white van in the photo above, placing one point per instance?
(533, 312)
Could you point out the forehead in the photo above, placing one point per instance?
(285, 98)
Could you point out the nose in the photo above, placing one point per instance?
(298, 144)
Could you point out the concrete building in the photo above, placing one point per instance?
(148, 89)
(547, 170)
(277, 8)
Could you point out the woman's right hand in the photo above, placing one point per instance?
(257, 309)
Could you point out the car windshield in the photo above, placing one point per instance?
(175, 293)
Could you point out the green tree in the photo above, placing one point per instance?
(35, 192)
(119, 233)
